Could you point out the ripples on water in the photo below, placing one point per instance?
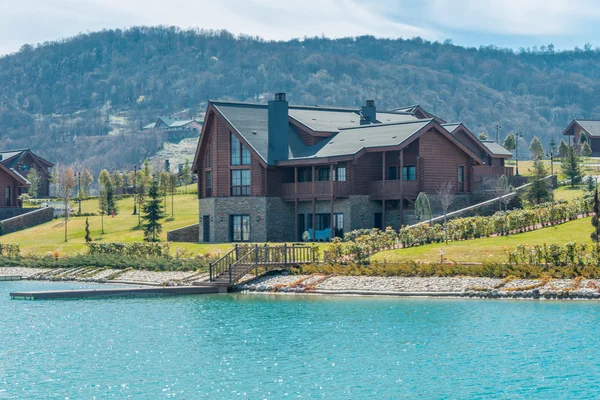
(254, 346)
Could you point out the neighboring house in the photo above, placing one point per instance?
(12, 184)
(588, 127)
(23, 161)
(492, 154)
(272, 172)
(176, 128)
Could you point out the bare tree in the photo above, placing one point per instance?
(502, 189)
(446, 193)
(66, 178)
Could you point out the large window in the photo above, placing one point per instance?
(461, 178)
(7, 197)
(304, 174)
(409, 173)
(323, 174)
(340, 174)
(240, 182)
(338, 224)
(392, 174)
(240, 155)
(208, 159)
(208, 185)
(239, 228)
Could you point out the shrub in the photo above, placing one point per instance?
(9, 249)
(133, 249)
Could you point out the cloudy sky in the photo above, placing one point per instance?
(506, 23)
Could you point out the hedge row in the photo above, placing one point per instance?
(572, 254)
(133, 249)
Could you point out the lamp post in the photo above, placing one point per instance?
(517, 137)
(550, 154)
(134, 189)
(498, 133)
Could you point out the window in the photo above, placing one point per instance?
(208, 158)
(304, 174)
(208, 185)
(340, 174)
(392, 174)
(338, 224)
(240, 182)
(461, 178)
(7, 197)
(409, 173)
(240, 155)
(323, 221)
(239, 228)
(323, 174)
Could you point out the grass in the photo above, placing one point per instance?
(568, 193)
(489, 249)
(41, 239)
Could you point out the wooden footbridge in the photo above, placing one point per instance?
(246, 259)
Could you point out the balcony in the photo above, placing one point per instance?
(322, 190)
(392, 190)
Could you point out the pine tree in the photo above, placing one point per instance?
(571, 166)
(595, 222)
(536, 149)
(111, 204)
(586, 150)
(186, 175)
(423, 207)
(563, 148)
(88, 238)
(509, 142)
(153, 213)
(102, 206)
(538, 190)
(34, 178)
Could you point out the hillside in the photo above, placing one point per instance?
(81, 99)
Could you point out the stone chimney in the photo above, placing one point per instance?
(278, 128)
(369, 113)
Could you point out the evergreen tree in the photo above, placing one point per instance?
(595, 222)
(186, 174)
(88, 238)
(423, 207)
(173, 181)
(538, 191)
(571, 166)
(111, 204)
(34, 178)
(482, 136)
(563, 148)
(509, 142)
(153, 213)
(586, 151)
(102, 206)
(536, 149)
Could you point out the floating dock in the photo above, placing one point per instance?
(118, 292)
(10, 277)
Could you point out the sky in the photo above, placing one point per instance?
(504, 23)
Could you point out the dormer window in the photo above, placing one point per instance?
(240, 155)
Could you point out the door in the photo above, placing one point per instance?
(378, 223)
(205, 228)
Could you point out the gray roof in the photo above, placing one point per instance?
(591, 126)
(352, 140)
(450, 127)
(325, 120)
(495, 148)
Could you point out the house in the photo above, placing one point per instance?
(12, 185)
(176, 128)
(23, 161)
(271, 172)
(492, 154)
(590, 128)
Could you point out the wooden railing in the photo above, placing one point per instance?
(389, 190)
(322, 189)
(243, 259)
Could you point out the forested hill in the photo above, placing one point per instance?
(73, 100)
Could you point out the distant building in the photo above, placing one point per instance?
(23, 161)
(270, 172)
(12, 185)
(590, 128)
(176, 128)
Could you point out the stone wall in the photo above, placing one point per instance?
(188, 233)
(9, 212)
(37, 216)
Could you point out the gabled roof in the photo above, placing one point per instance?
(450, 127)
(496, 149)
(169, 122)
(10, 158)
(590, 126)
(14, 174)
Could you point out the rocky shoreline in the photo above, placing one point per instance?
(107, 275)
(466, 287)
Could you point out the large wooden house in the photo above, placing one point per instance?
(274, 172)
(23, 161)
(589, 129)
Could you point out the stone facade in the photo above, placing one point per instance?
(34, 217)
(188, 233)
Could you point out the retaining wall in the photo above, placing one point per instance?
(35, 217)
(189, 233)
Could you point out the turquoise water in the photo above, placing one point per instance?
(256, 346)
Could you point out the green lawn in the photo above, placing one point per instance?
(490, 249)
(568, 193)
(122, 228)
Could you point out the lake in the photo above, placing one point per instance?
(275, 346)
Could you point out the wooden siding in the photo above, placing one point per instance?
(469, 143)
(441, 159)
(366, 169)
(7, 180)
